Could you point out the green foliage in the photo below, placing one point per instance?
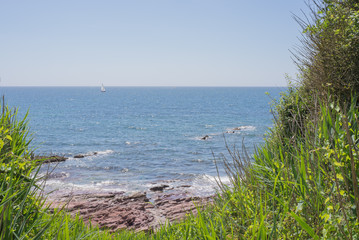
(329, 58)
(292, 112)
(21, 206)
(302, 187)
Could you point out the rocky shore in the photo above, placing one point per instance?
(117, 210)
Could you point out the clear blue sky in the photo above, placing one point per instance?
(147, 42)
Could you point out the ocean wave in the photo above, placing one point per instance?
(248, 128)
(197, 160)
(203, 185)
(60, 175)
(206, 185)
(58, 186)
(105, 152)
(105, 183)
(137, 128)
(240, 128)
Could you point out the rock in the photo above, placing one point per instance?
(116, 211)
(231, 131)
(205, 137)
(61, 175)
(85, 155)
(237, 129)
(159, 188)
(50, 159)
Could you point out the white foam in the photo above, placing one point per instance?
(106, 152)
(206, 185)
(137, 128)
(247, 128)
(203, 185)
(63, 187)
(197, 160)
(105, 183)
(240, 129)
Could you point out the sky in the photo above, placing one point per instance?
(148, 42)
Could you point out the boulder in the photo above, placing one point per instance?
(159, 188)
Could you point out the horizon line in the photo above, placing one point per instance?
(160, 86)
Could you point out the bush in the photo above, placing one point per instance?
(329, 57)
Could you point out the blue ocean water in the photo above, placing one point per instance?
(143, 136)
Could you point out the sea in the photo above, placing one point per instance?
(134, 138)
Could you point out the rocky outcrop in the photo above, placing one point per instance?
(205, 137)
(50, 159)
(56, 158)
(115, 211)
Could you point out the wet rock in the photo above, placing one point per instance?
(237, 129)
(231, 131)
(61, 175)
(85, 155)
(205, 137)
(159, 188)
(50, 159)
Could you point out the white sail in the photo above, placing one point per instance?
(103, 88)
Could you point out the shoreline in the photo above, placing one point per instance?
(138, 210)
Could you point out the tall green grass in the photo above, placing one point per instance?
(21, 205)
(299, 187)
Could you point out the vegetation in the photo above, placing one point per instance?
(301, 184)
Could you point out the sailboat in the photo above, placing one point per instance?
(103, 88)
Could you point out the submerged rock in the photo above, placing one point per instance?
(61, 175)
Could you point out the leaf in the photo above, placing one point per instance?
(305, 226)
(299, 206)
(338, 164)
(340, 177)
(326, 216)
